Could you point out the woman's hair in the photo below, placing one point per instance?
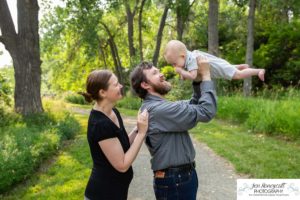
(137, 76)
(96, 81)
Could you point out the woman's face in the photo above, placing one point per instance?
(113, 92)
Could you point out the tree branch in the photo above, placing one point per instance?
(192, 4)
(6, 23)
(135, 7)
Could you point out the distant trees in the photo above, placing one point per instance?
(90, 34)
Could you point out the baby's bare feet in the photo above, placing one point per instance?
(261, 75)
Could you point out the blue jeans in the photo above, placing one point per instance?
(179, 185)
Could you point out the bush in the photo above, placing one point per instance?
(27, 142)
(76, 99)
(130, 102)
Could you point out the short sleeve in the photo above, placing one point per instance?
(192, 63)
(103, 131)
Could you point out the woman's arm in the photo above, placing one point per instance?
(113, 150)
(132, 135)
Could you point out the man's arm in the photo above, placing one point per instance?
(181, 116)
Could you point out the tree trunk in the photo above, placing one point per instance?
(140, 30)
(213, 35)
(102, 53)
(25, 51)
(159, 35)
(130, 17)
(115, 54)
(250, 46)
(183, 8)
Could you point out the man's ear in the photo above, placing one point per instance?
(145, 85)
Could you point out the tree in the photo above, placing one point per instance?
(213, 35)
(130, 17)
(140, 29)
(24, 49)
(182, 8)
(160, 34)
(250, 46)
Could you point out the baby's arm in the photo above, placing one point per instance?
(191, 75)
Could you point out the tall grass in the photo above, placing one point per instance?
(262, 115)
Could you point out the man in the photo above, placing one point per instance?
(168, 141)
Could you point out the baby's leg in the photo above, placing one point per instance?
(242, 66)
(248, 72)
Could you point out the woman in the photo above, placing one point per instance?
(112, 150)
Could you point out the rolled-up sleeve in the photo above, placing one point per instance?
(183, 115)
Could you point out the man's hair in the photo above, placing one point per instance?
(137, 76)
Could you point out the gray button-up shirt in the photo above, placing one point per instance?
(167, 138)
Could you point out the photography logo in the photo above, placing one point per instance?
(262, 189)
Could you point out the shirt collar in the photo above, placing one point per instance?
(151, 97)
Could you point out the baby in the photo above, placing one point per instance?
(179, 57)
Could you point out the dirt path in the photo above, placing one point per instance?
(217, 178)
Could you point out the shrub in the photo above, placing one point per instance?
(76, 99)
(27, 142)
(130, 102)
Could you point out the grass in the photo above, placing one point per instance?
(257, 155)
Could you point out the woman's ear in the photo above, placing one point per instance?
(102, 93)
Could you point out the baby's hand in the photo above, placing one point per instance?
(179, 71)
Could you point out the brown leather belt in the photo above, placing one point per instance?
(181, 168)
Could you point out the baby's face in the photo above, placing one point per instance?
(176, 60)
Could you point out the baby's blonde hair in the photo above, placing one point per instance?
(175, 46)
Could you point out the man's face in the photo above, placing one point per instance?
(156, 81)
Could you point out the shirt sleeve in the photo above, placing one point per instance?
(192, 64)
(182, 115)
(103, 131)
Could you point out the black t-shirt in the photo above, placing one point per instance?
(105, 181)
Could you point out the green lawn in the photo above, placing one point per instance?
(257, 155)
(65, 176)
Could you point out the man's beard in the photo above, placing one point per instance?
(163, 88)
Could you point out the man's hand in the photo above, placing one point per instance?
(204, 68)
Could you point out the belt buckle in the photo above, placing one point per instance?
(159, 174)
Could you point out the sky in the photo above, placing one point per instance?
(5, 58)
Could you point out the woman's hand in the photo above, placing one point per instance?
(142, 122)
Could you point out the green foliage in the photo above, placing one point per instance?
(168, 72)
(280, 55)
(181, 90)
(5, 90)
(129, 102)
(262, 115)
(29, 141)
(76, 99)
